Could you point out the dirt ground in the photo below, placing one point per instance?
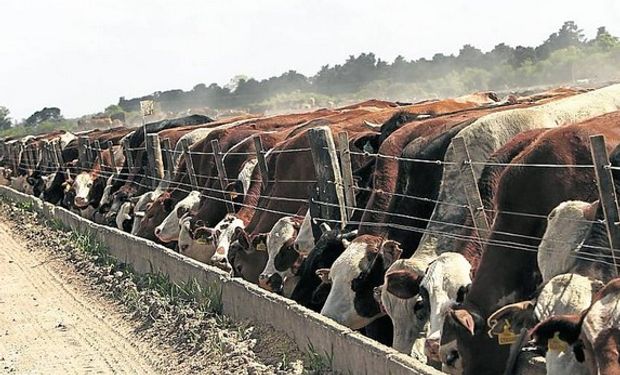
(52, 326)
(60, 313)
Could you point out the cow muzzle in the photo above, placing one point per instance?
(431, 349)
(273, 282)
(80, 202)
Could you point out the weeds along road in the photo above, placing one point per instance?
(50, 325)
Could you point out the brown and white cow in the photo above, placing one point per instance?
(593, 336)
(533, 191)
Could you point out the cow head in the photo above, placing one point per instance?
(168, 230)
(143, 203)
(226, 230)
(83, 184)
(248, 254)
(567, 226)
(124, 216)
(418, 300)
(196, 240)
(310, 291)
(353, 277)
(284, 258)
(153, 214)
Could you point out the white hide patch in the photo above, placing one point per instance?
(106, 198)
(564, 294)
(226, 229)
(565, 231)
(245, 175)
(282, 231)
(168, 230)
(604, 314)
(408, 330)
(124, 213)
(339, 305)
(304, 242)
(82, 184)
(442, 281)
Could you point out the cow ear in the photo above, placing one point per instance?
(568, 328)
(518, 314)
(234, 189)
(462, 293)
(325, 228)
(403, 284)
(243, 239)
(259, 242)
(590, 212)
(465, 319)
(323, 274)
(579, 353)
(391, 252)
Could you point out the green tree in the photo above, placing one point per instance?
(5, 120)
(604, 40)
(51, 114)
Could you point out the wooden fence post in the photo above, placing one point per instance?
(58, 151)
(110, 149)
(221, 174)
(83, 153)
(262, 163)
(329, 196)
(128, 156)
(167, 152)
(470, 185)
(607, 192)
(55, 155)
(156, 163)
(342, 143)
(189, 164)
(97, 153)
(19, 154)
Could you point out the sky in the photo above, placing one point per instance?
(82, 55)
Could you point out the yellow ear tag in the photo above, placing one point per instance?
(261, 247)
(506, 337)
(201, 241)
(233, 195)
(557, 344)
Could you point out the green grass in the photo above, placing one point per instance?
(208, 299)
(318, 363)
(26, 205)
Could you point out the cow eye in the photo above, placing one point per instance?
(90, 184)
(420, 309)
(181, 211)
(452, 357)
(357, 283)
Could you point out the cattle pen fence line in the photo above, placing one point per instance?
(333, 198)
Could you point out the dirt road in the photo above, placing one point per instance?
(49, 325)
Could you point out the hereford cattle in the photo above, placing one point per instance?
(427, 290)
(593, 336)
(402, 200)
(205, 164)
(531, 190)
(395, 122)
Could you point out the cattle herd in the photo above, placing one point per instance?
(417, 264)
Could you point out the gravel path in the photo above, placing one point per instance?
(50, 326)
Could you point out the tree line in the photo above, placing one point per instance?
(566, 56)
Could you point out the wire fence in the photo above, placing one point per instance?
(210, 187)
